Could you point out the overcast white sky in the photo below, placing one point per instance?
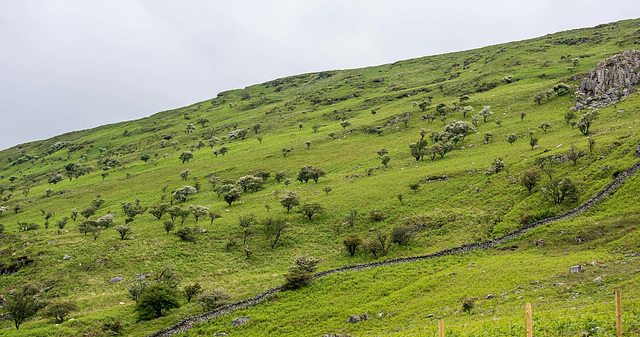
(70, 65)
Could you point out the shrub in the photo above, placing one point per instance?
(155, 300)
(232, 194)
(560, 190)
(300, 273)
(497, 166)
(168, 226)
(273, 229)
(351, 243)
(310, 209)
(159, 210)
(377, 215)
(280, 176)
(198, 211)
(89, 211)
(59, 310)
(123, 231)
(400, 235)
(468, 304)
(192, 290)
(289, 199)
(250, 183)
(183, 193)
(186, 234)
(213, 299)
(530, 179)
(22, 303)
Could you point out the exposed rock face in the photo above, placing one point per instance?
(611, 80)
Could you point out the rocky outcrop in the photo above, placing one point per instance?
(610, 81)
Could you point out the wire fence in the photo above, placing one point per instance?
(588, 317)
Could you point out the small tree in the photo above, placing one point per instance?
(186, 156)
(256, 127)
(530, 179)
(192, 290)
(545, 126)
(23, 303)
(168, 226)
(59, 310)
(183, 193)
(124, 231)
(159, 210)
(584, 123)
(497, 166)
(203, 121)
(345, 124)
(259, 138)
(184, 174)
(512, 138)
(286, 151)
(273, 229)
(488, 136)
(385, 160)
(310, 209)
(485, 113)
(533, 141)
(246, 223)
(88, 212)
(351, 243)
(560, 190)
(233, 194)
(592, 144)
(315, 128)
(308, 144)
(300, 125)
(574, 154)
(300, 273)
(198, 211)
(280, 176)
(213, 299)
(186, 234)
(289, 199)
(213, 215)
(400, 235)
(156, 299)
(569, 116)
(468, 304)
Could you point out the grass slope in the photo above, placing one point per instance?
(469, 206)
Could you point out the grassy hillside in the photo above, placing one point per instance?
(470, 205)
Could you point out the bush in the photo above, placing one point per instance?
(59, 310)
(300, 273)
(467, 305)
(123, 231)
(155, 300)
(289, 199)
(351, 243)
(186, 234)
(192, 290)
(377, 215)
(400, 235)
(213, 299)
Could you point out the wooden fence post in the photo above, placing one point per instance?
(440, 328)
(618, 313)
(529, 320)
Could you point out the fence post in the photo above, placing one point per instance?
(440, 328)
(618, 313)
(529, 320)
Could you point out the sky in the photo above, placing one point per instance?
(71, 65)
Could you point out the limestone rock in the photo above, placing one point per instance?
(598, 280)
(354, 319)
(575, 269)
(240, 321)
(611, 80)
(116, 279)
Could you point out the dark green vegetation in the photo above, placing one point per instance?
(196, 189)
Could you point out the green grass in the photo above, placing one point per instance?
(469, 206)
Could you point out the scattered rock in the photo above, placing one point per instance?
(336, 335)
(559, 284)
(598, 280)
(240, 321)
(490, 296)
(430, 315)
(52, 242)
(116, 279)
(354, 319)
(99, 261)
(575, 269)
(67, 257)
(593, 263)
(364, 316)
(221, 334)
